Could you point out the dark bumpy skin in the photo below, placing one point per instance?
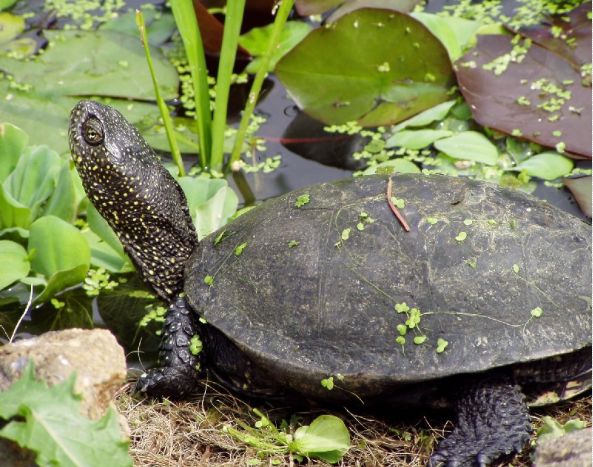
(304, 301)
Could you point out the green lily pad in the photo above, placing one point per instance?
(43, 96)
(395, 68)
(14, 263)
(469, 146)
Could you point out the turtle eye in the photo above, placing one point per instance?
(92, 131)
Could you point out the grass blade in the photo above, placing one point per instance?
(279, 21)
(159, 99)
(187, 24)
(230, 41)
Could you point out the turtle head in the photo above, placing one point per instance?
(134, 193)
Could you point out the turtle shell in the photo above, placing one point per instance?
(322, 281)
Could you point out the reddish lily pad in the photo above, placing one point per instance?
(569, 36)
(372, 65)
(538, 97)
(581, 190)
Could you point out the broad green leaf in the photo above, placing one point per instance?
(211, 203)
(547, 165)
(58, 247)
(12, 143)
(553, 429)
(103, 230)
(47, 420)
(118, 68)
(436, 113)
(456, 34)
(416, 139)
(14, 263)
(404, 6)
(399, 165)
(327, 438)
(256, 42)
(469, 146)
(395, 69)
(63, 201)
(28, 186)
(62, 279)
(104, 256)
(10, 26)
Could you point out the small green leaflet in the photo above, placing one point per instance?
(208, 280)
(293, 243)
(516, 268)
(419, 340)
(328, 383)
(302, 200)
(47, 420)
(461, 236)
(441, 345)
(398, 202)
(239, 249)
(432, 220)
(537, 312)
(346, 233)
(195, 345)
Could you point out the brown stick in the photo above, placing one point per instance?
(395, 211)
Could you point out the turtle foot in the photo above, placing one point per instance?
(168, 381)
(180, 354)
(492, 421)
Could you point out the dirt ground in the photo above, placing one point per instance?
(193, 433)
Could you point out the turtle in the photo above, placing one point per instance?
(482, 304)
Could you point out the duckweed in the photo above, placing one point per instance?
(461, 236)
(239, 249)
(441, 345)
(302, 200)
(537, 312)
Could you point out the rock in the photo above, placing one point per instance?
(95, 355)
(570, 450)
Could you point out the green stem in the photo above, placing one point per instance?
(279, 21)
(187, 24)
(228, 51)
(159, 99)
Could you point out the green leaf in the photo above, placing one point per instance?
(47, 421)
(14, 263)
(456, 34)
(546, 165)
(469, 146)
(28, 186)
(537, 312)
(396, 68)
(61, 253)
(436, 113)
(399, 165)
(302, 200)
(103, 230)
(10, 26)
(4, 4)
(160, 26)
(104, 256)
(327, 438)
(63, 201)
(553, 429)
(211, 203)
(12, 143)
(416, 139)
(256, 42)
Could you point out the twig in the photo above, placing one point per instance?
(395, 211)
(27, 308)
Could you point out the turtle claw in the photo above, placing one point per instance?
(168, 381)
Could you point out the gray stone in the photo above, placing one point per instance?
(570, 450)
(94, 355)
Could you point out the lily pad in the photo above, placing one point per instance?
(41, 92)
(395, 68)
(539, 97)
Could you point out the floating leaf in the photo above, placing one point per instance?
(14, 263)
(441, 345)
(538, 95)
(256, 42)
(47, 420)
(547, 165)
(327, 438)
(46, 85)
(581, 190)
(436, 113)
(419, 340)
(469, 146)
(416, 139)
(396, 69)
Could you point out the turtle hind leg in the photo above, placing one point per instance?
(492, 421)
(181, 365)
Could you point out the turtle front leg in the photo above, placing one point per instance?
(179, 356)
(492, 421)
